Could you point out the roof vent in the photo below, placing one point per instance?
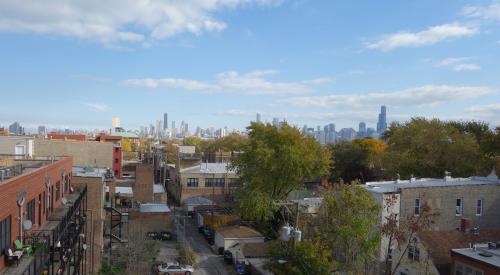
(485, 254)
(447, 176)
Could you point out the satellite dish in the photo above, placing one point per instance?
(64, 201)
(27, 224)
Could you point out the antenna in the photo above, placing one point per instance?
(27, 225)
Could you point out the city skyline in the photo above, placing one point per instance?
(300, 63)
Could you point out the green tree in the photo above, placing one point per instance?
(192, 141)
(275, 162)
(360, 159)
(347, 226)
(307, 257)
(428, 148)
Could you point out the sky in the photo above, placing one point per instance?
(216, 63)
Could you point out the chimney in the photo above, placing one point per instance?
(447, 176)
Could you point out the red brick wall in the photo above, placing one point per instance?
(33, 183)
(67, 137)
(117, 166)
(486, 268)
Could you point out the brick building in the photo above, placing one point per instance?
(40, 190)
(474, 199)
(213, 180)
(482, 259)
(74, 137)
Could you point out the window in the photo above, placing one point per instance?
(66, 184)
(479, 208)
(44, 201)
(220, 182)
(417, 206)
(5, 234)
(116, 161)
(58, 190)
(192, 182)
(232, 182)
(462, 269)
(214, 182)
(414, 253)
(117, 150)
(209, 182)
(30, 211)
(459, 207)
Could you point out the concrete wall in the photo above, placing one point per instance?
(8, 145)
(151, 221)
(95, 218)
(443, 199)
(424, 266)
(89, 153)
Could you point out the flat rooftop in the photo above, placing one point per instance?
(13, 166)
(482, 253)
(395, 186)
(92, 172)
(209, 168)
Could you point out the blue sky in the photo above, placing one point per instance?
(219, 62)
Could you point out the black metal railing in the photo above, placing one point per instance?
(57, 249)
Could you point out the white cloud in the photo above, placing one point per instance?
(450, 61)
(485, 12)
(426, 37)
(255, 83)
(419, 97)
(97, 107)
(490, 112)
(466, 67)
(114, 21)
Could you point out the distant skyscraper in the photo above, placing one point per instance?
(362, 129)
(258, 118)
(165, 121)
(382, 120)
(16, 128)
(115, 122)
(276, 122)
(330, 134)
(42, 131)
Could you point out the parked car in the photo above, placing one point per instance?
(175, 269)
(165, 236)
(228, 257)
(152, 235)
(241, 269)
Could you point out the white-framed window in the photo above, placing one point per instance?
(417, 207)
(459, 207)
(414, 253)
(479, 207)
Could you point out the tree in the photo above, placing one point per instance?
(400, 233)
(360, 159)
(347, 226)
(428, 148)
(307, 257)
(192, 141)
(126, 145)
(275, 162)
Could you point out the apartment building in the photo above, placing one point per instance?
(212, 180)
(39, 207)
(457, 201)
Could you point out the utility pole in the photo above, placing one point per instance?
(297, 208)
